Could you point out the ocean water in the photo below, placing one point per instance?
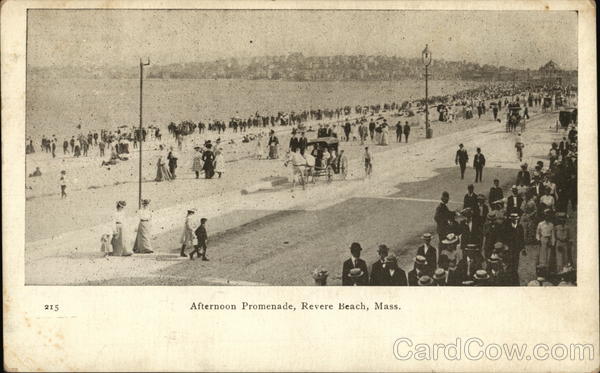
(58, 106)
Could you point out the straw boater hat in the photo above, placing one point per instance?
(439, 274)
(468, 283)
(514, 215)
(498, 246)
(355, 273)
(121, 203)
(320, 274)
(481, 274)
(494, 258)
(450, 239)
(472, 247)
(426, 236)
(420, 260)
(425, 281)
(191, 211)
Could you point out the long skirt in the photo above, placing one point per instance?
(384, 138)
(273, 152)
(162, 173)
(119, 242)
(142, 240)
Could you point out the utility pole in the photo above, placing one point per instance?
(140, 137)
(426, 56)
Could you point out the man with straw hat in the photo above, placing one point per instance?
(419, 270)
(439, 277)
(429, 252)
(354, 270)
(471, 262)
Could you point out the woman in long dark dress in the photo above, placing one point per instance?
(208, 157)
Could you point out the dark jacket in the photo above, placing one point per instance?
(406, 129)
(513, 204)
(462, 267)
(413, 279)
(348, 265)
(496, 194)
(478, 160)
(472, 235)
(377, 274)
(461, 156)
(431, 257)
(523, 178)
(397, 279)
(470, 201)
(201, 234)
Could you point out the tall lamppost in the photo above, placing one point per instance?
(140, 136)
(426, 55)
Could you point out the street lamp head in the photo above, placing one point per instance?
(426, 55)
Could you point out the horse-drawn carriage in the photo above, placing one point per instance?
(514, 117)
(323, 167)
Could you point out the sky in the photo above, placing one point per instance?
(120, 37)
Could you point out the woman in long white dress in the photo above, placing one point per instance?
(142, 244)
(119, 238)
(219, 162)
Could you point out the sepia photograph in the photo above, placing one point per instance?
(292, 147)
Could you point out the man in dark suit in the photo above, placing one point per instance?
(377, 269)
(355, 262)
(470, 200)
(429, 253)
(372, 126)
(482, 210)
(418, 271)
(393, 275)
(470, 232)
(523, 176)
(513, 238)
(302, 143)
(496, 192)
(347, 129)
(461, 159)
(513, 202)
(294, 143)
(472, 262)
(478, 164)
(406, 131)
(443, 216)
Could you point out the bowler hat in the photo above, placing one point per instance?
(383, 249)
(355, 246)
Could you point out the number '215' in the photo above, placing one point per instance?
(51, 307)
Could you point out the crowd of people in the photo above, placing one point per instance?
(483, 243)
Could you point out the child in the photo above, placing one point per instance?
(202, 238)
